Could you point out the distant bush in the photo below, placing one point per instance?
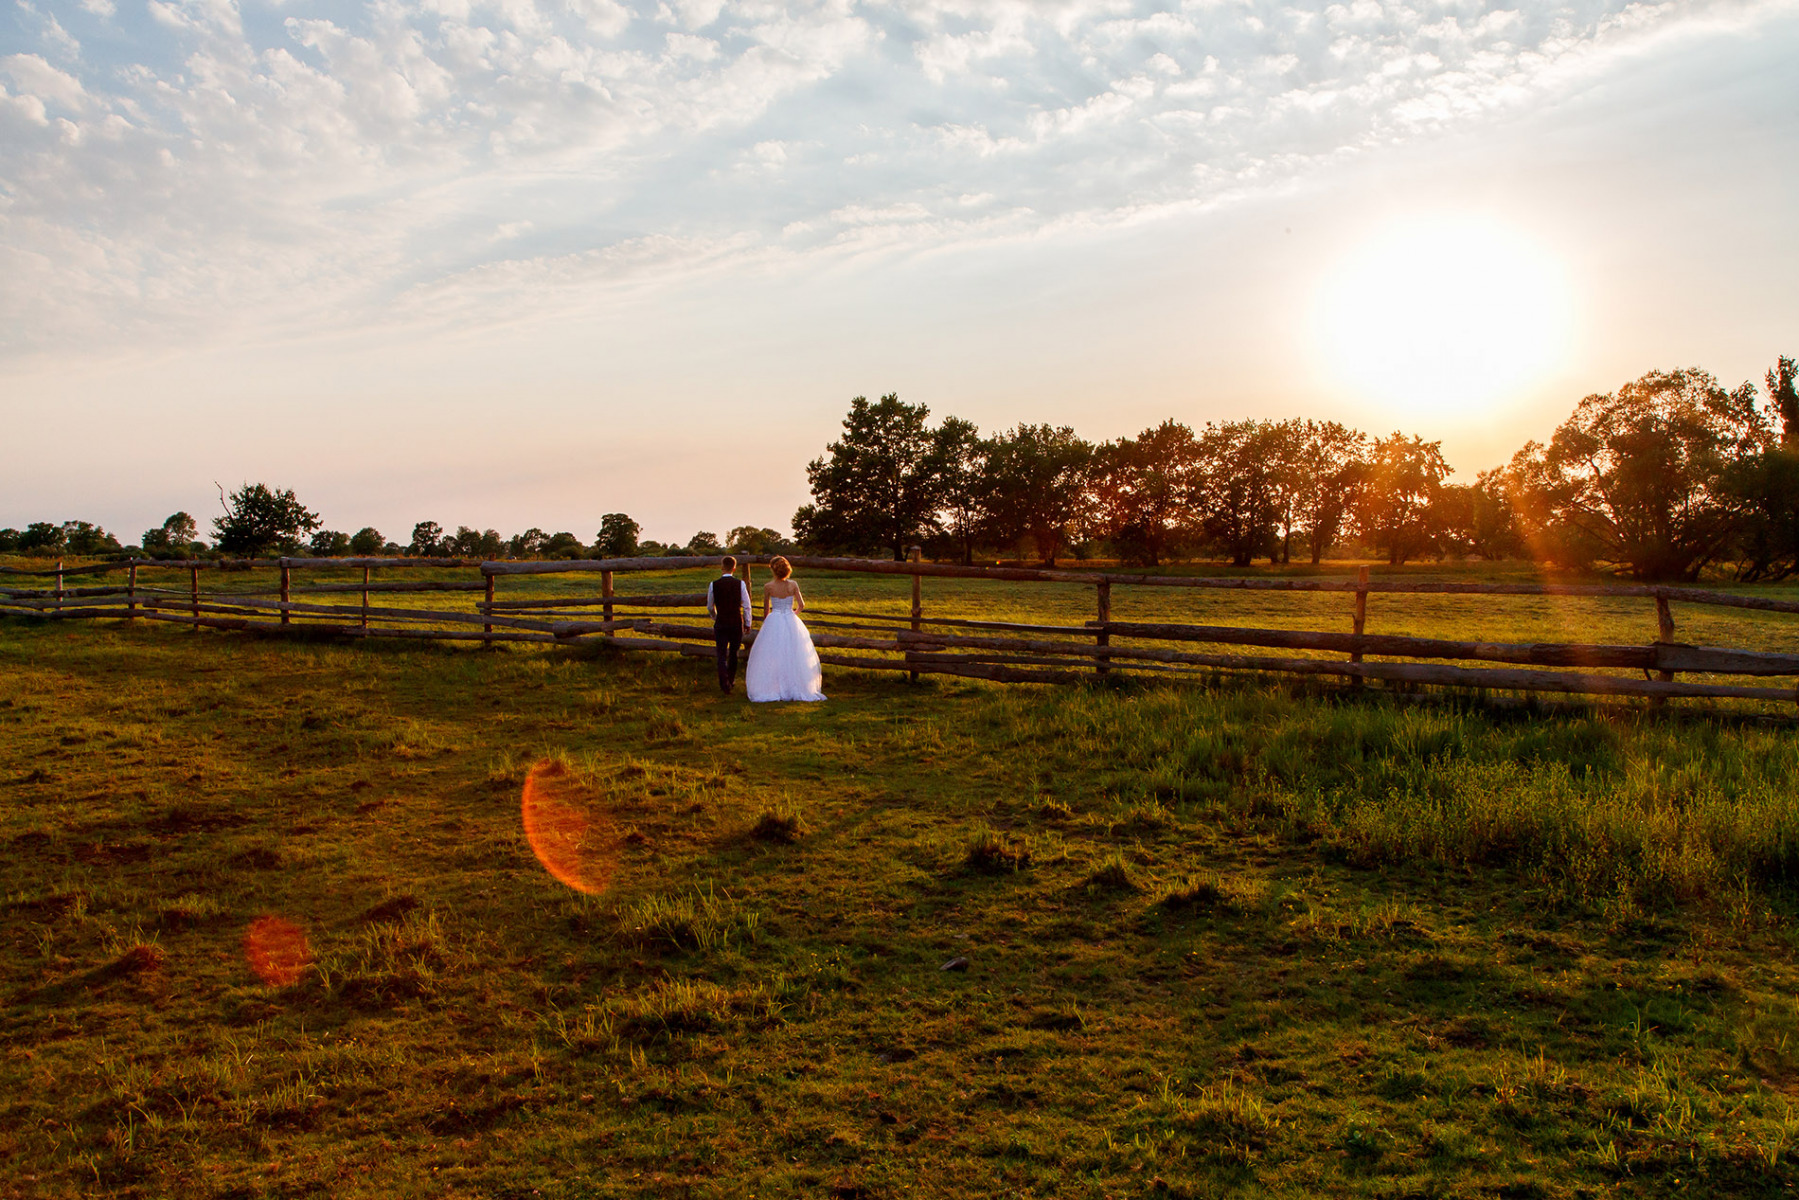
(471, 543)
(563, 545)
(330, 543)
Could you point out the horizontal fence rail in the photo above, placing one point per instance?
(1005, 651)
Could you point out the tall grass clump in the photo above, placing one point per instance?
(1592, 805)
(991, 852)
(700, 919)
(392, 960)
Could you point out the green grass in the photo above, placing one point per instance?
(1234, 939)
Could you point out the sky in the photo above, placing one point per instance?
(527, 262)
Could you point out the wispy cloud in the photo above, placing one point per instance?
(198, 163)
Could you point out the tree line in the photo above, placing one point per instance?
(1668, 476)
(259, 521)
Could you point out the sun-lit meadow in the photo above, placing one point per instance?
(1229, 937)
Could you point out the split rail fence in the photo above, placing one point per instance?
(911, 642)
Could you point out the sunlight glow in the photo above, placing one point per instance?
(1442, 312)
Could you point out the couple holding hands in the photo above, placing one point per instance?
(783, 664)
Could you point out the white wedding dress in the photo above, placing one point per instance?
(783, 664)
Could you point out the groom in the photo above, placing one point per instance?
(728, 604)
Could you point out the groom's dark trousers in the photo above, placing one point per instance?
(727, 626)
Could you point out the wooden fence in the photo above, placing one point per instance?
(916, 644)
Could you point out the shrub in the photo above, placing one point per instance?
(777, 825)
(991, 852)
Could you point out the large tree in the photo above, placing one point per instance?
(1783, 396)
(617, 538)
(1034, 483)
(175, 534)
(1237, 493)
(329, 543)
(86, 538)
(1394, 508)
(1331, 463)
(1645, 472)
(1286, 445)
(475, 543)
(427, 540)
(752, 539)
(956, 461)
(879, 485)
(563, 545)
(259, 520)
(43, 537)
(1479, 518)
(1144, 490)
(1767, 486)
(528, 544)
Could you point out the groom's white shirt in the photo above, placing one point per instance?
(712, 610)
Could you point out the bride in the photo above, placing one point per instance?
(783, 664)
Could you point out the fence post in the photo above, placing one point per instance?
(131, 594)
(487, 630)
(1664, 620)
(1664, 632)
(914, 555)
(605, 594)
(193, 592)
(365, 597)
(1361, 616)
(1103, 665)
(59, 585)
(284, 591)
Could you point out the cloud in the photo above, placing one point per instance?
(350, 163)
(30, 75)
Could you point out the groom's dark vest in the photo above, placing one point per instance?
(727, 604)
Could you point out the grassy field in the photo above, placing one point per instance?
(1228, 940)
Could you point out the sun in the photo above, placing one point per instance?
(1441, 313)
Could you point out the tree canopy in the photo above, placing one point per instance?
(879, 485)
(1034, 483)
(1643, 473)
(617, 537)
(1402, 483)
(260, 520)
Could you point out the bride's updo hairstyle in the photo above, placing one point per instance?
(780, 566)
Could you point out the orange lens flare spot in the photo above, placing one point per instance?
(570, 836)
(277, 950)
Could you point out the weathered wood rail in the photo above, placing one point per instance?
(912, 642)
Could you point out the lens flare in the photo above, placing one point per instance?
(277, 950)
(571, 838)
